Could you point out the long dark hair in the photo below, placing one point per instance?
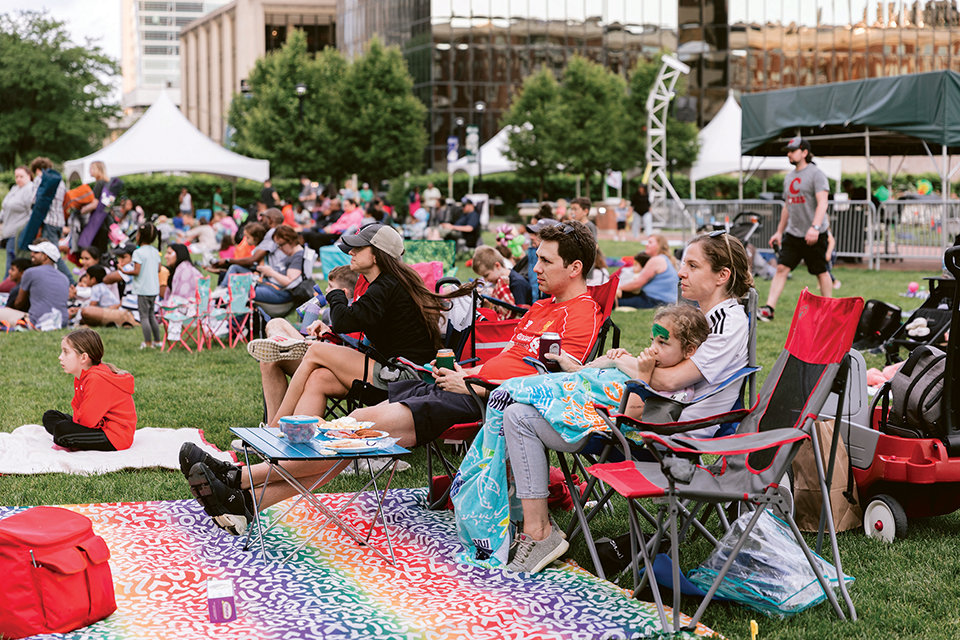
(431, 306)
(183, 255)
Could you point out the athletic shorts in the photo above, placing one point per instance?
(796, 249)
(434, 410)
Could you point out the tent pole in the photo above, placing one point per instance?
(867, 144)
(740, 180)
(866, 140)
(234, 194)
(693, 189)
(944, 174)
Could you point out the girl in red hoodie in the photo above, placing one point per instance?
(104, 417)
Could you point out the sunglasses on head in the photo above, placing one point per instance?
(567, 228)
(726, 238)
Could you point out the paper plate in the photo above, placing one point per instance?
(346, 423)
(351, 446)
(349, 434)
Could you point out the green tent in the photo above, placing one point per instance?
(896, 115)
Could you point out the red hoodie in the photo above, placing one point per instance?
(104, 400)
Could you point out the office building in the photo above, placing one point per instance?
(464, 52)
(461, 52)
(150, 49)
(220, 49)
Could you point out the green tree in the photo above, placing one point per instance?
(267, 120)
(534, 116)
(55, 94)
(682, 142)
(591, 118)
(382, 134)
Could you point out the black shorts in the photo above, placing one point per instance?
(621, 225)
(796, 249)
(434, 410)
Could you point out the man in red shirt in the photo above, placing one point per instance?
(417, 412)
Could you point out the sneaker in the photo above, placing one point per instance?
(533, 555)
(144, 345)
(837, 284)
(231, 509)
(276, 348)
(191, 454)
(765, 313)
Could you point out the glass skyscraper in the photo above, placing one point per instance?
(461, 52)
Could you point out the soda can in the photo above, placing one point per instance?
(549, 343)
(446, 359)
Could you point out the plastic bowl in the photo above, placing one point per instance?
(298, 428)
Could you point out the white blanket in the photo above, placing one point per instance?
(29, 449)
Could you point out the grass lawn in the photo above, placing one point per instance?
(902, 590)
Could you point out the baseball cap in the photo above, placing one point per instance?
(797, 143)
(124, 249)
(380, 236)
(47, 248)
(466, 200)
(542, 223)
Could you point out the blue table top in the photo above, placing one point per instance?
(268, 443)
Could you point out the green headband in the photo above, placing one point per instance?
(660, 332)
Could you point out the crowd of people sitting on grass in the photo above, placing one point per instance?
(692, 348)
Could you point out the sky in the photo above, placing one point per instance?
(98, 19)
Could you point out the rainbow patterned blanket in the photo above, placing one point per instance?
(163, 553)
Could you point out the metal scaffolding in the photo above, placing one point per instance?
(658, 103)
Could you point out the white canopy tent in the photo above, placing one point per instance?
(491, 158)
(720, 152)
(164, 140)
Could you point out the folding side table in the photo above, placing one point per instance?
(274, 449)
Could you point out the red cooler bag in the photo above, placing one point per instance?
(56, 577)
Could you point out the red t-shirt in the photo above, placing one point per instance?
(577, 321)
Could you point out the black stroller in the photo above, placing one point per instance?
(934, 314)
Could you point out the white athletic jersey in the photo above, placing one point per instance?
(723, 354)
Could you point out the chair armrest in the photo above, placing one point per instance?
(536, 364)
(670, 428)
(736, 444)
(366, 349)
(506, 305)
(644, 390)
(475, 381)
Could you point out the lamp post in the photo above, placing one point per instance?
(480, 106)
(301, 93)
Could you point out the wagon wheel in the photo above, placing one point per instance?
(884, 518)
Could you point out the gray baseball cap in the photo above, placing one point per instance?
(381, 236)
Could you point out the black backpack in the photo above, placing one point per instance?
(915, 396)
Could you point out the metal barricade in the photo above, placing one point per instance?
(915, 229)
(852, 223)
(725, 212)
